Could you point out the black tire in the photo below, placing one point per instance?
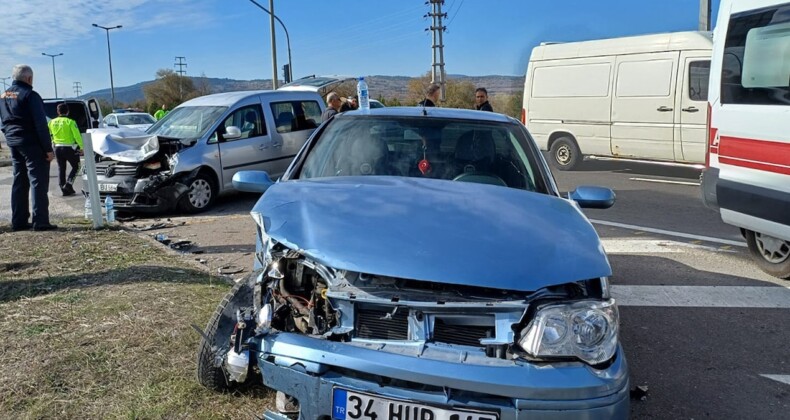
(210, 371)
(565, 154)
(200, 196)
(770, 254)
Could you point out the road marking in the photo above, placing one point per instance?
(780, 378)
(670, 233)
(648, 246)
(703, 296)
(665, 181)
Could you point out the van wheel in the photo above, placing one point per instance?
(771, 254)
(565, 154)
(200, 196)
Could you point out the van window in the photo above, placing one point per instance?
(296, 115)
(249, 119)
(699, 74)
(644, 78)
(584, 80)
(756, 61)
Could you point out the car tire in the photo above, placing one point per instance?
(565, 154)
(216, 340)
(200, 196)
(770, 254)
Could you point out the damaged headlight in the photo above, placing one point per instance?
(172, 161)
(587, 330)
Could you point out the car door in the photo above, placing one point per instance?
(251, 151)
(643, 105)
(691, 110)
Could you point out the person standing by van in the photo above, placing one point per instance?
(481, 100)
(332, 106)
(68, 142)
(26, 133)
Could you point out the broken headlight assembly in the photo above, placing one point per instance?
(587, 330)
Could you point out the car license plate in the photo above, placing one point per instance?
(108, 187)
(354, 405)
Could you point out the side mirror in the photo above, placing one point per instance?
(252, 181)
(593, 197)
(232, 133)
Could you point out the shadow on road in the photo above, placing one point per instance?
(638, 168)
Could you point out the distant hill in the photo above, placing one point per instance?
(387, 86)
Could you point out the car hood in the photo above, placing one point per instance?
(434, 230)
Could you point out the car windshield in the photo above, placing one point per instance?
(449, 149)
(188, 122)
(132, 119)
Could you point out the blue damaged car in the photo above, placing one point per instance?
(420, 263)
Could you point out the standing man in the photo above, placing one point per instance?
(161, 113)
(68, 142)
(332, 106)
(481, 100)
(25, 129)
(431, 95)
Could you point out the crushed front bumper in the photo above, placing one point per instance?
(309, 369)
(154, 194)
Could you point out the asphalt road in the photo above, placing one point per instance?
(703, 329)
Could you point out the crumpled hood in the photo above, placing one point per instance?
(443, 231)
(124, 145)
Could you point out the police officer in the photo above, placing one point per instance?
(67, 140)
(27, 135)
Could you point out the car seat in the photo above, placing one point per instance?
(285, 122)
(475, 152)
(250, 127)
(363, 155)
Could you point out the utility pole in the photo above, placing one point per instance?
(274, 46)
(704, 15)
(77, 89)
(54, 76)
(109, 58)
(437, 66)
(181, 64)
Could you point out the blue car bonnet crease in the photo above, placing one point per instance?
(432, 230)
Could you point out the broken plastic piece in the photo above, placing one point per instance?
(229, 269)
(639, 393)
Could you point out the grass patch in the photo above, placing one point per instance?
(101, 327)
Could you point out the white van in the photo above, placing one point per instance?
(641, 97)
(748, 174)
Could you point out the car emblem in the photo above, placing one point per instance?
(110, 171)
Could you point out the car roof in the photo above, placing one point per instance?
(128, 113)
(231, 98)
(418, 111)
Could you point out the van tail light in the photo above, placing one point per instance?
(523, 116)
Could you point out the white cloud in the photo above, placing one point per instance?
(34, 26)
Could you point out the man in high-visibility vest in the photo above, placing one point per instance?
(68, 142)
(161, 113)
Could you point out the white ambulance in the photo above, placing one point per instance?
(748, 162)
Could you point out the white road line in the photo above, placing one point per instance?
(780, 378)
(703, 296)
(670, 233)
(665, 181)
(651, 246)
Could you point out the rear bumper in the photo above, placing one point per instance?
(708, 181)
(309, 369)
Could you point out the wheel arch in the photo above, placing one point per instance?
(558, 134)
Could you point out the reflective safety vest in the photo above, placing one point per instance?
(65, 132)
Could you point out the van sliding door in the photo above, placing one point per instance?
(691, 107)
(643, 106)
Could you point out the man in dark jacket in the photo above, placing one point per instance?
(431, 95)
(481, 100)
(27, 135)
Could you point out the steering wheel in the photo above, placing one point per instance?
(480, 178)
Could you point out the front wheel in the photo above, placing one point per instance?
(216, 343)
(565, 154)
(201, 194)
(771, 254)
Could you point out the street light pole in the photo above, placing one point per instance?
(54, 77)
(287, 38)
(109, 55)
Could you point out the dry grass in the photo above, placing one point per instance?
(96, 324)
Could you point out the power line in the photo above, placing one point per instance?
(77, 89)
(437, 29)
(181, 64)
(456, 12)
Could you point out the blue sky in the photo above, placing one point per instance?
(230, 38)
